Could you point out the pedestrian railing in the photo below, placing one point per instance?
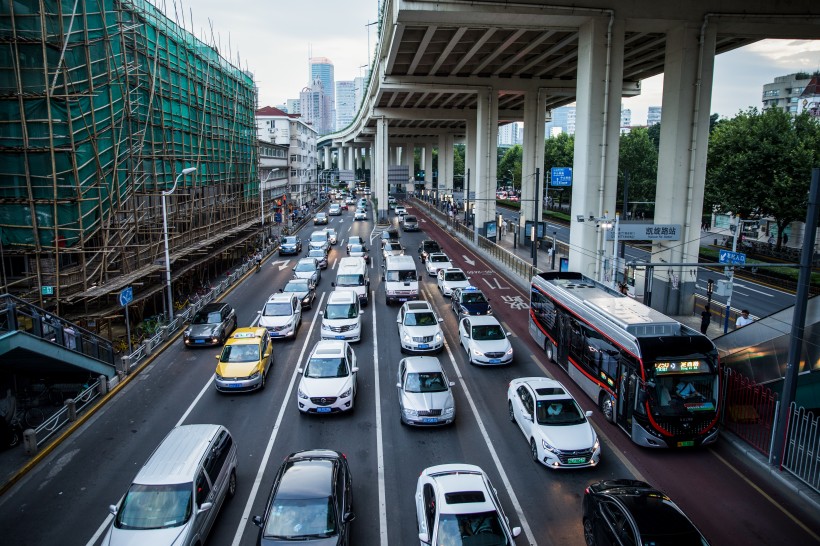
(749, 410)
(802, 456)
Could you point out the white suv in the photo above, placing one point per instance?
(281, 315)
(328, 383)
(419, 330)
(341, 318)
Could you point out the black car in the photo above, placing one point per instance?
(427, 247)
(211, 325)
(311, 501)
(633, 512)
(290, 245)
(320, 218)
(303, 290)
(470, 301)
(390, 235)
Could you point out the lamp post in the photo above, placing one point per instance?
(189, 170)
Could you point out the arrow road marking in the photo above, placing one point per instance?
(468, 260)
(497, 284)
(283, 262)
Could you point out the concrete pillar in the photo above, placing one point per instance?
(445, 163)
(328, 164)
(533, 150)
(470, 153)
(688, 73)
(486, 156)
(381, 159)
(597, 126)
(351, 158)
(428, 166)
(409, 151)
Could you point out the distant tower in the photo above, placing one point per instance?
(653, 115)
(346, 106)
(321, 68)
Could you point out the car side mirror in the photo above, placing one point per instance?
(321, 313)
(516, 531)
(423, 537)
(452, 383)
(354, 369)
(440, 319)
(217, 357)
(112, 509)
(348, 517)
(300, 370)
(398, 385)
(588, 413)
(361, 311)
(509, 334)
(259, 312)
(398, 321)
(281, 290)
(257, 520)
(205, 507)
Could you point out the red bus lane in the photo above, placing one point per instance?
(731, 499)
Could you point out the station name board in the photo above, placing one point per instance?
(645, 232)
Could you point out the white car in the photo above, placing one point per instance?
(308, 268)
(557, 429)
(331, 235)
(425, 393)
(355, 240)
(361, 214)
(450, 279)
(419, 329)
(436, 261)
(485, 340)
(328, 383)
(392, 249)
(457, 504)
(335, 210)
(281, 315)
(400, 212)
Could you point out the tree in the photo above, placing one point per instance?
(759, 164)
(559, 151)
(511, 162)
(638, 159)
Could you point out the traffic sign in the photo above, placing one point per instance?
(47, 290)
(729, 257)
(561, 176)
(126, 296)
(277, 217)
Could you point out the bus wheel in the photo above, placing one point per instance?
(605, 403)
(549, 348)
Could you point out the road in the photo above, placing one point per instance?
(64, 500)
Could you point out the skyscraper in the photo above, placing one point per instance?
(653, 115)
(346, 105)
(316, 108)
(321, 68)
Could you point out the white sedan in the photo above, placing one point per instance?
(436, 261)
(557, 429)
(419, 330)
(328, 383)
(392, 249)
(361, 214)
(450, 279)
(485, 341)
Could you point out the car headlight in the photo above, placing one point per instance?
(438, 337)
(306, 299)
(347, 393)
(214, 340)
(325, 326)
(464, 310)
(409, 412)
(254, 375)
(510, 351)
(218, 377)
(489, 310)
(406, 338)
(476, 352)
(302, 395)
(597, 444)
(448, 412)
(549, 448)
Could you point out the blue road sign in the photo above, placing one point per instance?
(729, 257)
(561, 176)
(277, 217)
(126, 296)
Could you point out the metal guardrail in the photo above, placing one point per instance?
(802, 457)
(70, 410)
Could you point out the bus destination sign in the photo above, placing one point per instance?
(684, 366)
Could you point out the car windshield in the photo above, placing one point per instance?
(205, 317)
(455, 276)
(410, 219)
(289, 241)
(279, 309)
(482, 529)
(331, 232)
(326, 367)
(439, 259)
(558, 412)
(684, 394)
(320, 215)
(296, 286)
(488, 332)
(341, 311)
(425, 382)
(318, 237)
(240, 353)
(355, 240)
(393, 246)
(432, 247)
(300, 519)
(350, 280)
(393, 275)
(305, 266)
(475, 297)
(357, 249)
(420, 319)
(155, 506)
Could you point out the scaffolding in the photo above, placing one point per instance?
(102, 104)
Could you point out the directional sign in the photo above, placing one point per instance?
(126, 296)
(729, 257)
(561, 176)
(47, 290)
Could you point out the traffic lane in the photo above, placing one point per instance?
(653, 466)
(409, 450)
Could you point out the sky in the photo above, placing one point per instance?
(275, 38)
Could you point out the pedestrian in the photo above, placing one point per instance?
(743, 319)
(705, 319)
(785, 239)
(771, 242)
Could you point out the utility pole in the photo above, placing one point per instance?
(730, 272)
(537, 219)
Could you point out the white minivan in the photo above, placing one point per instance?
(401, 282)
(352, 274)
(342, 316)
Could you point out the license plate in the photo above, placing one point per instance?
(494, 361)
(340, 337)
(199, 341)
(577, 460)
(235, 385)
(402, 299)
(274, 334)
(322, 410)
(688, 443)
(429, 420)
(424, 346)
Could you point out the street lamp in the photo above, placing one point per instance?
(189, 170)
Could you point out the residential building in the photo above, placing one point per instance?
(653, 115)
(293, 106)
(346, 105)
(785, 92)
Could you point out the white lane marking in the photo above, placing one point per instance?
(335, 261)
(513, 498)
(243, 522)
(102, 528)
(379, 438)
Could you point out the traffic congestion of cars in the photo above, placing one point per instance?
(311, 499)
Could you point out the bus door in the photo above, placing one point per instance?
(564, 336)
(627, 390)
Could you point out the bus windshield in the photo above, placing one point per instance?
(681, 394)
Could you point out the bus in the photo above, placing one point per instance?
(652, 376)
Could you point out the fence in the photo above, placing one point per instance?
(802, 457)
(749, 410)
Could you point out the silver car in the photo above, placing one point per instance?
(308, 268)
(419, 330)
(425, 393)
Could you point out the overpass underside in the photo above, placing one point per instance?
(452, 72)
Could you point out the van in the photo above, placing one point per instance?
(342, 316)
(352, 274)
(401, 282)
(178, 492)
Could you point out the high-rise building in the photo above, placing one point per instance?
(653, 115)
(560, 122)
(316, 108)
(626, 117)
(510, 134)
(293, 106)
(785, 92)
(321, 68)
(346, 105)
(359, 84)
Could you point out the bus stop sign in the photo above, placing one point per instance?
(126, 296)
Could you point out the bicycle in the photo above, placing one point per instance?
(179, 305)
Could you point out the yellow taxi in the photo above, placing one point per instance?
(244, 362)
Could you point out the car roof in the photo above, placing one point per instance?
(328, 347)
(455, 483)
(422, 364)
(483, 320)
(306, 478)
(438, 254)
(655, 514)
(342, 295)
(207, 308)
(308, 260)
(452, 270)
(176, 458)
(245, 335)
(281, 297)
(545, 388)
(418, 305)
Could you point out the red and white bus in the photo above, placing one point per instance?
(654, 377)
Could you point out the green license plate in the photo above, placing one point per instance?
(577, 460)
(688, 443)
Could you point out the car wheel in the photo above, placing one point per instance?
(589, 533)
(231, 485)
(533, 450)
(605, 403)
(511, 412)
(262, 385)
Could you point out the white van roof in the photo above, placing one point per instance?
(176, 459)
(352, 262)
(400, 262)
(342, 295)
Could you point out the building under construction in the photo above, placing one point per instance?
(103, 103)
